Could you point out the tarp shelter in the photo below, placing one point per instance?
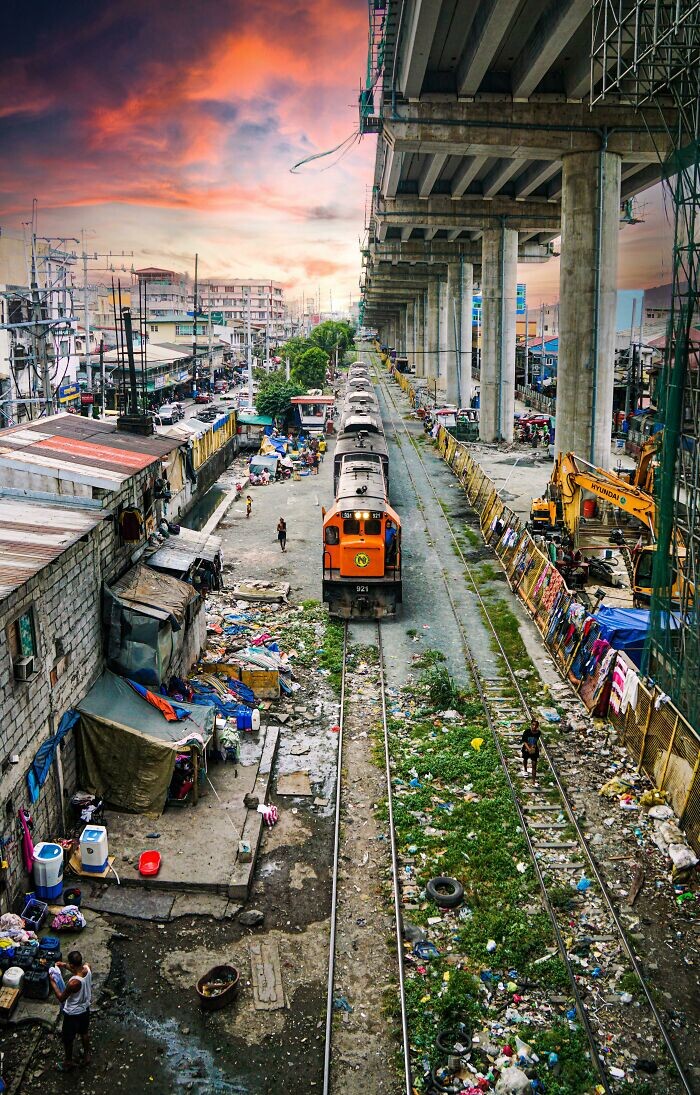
(251, 427)
(127, 748)
(625, 629)
(266, 463)
(148, 621)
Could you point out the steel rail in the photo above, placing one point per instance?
(690, 1090)
(398, 919)
(473, 667)
(334, 888)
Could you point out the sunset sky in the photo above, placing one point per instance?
(169, 128)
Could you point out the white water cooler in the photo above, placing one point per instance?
(48, 870)
(94, 851)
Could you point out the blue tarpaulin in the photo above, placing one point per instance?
(625, 629)
(37, 774)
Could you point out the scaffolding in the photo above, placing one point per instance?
(647, 52)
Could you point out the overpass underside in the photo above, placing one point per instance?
(487, 152)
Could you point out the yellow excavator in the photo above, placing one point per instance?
(560, 511)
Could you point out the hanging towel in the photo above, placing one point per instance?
(27, 842)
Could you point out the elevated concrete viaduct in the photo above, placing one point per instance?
(487, 152)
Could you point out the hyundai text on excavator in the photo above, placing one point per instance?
(560, 512)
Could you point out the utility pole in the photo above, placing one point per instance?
(103, 393)
(194, 330)
(209, 341)
(527, 345)
(86, 321)
(249, 347)
(630, 362)
(37, 338)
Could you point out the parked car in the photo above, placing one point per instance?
(170, 413)
(202, 397)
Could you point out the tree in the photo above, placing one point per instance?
(293, 349)
(310, 368)
(330, 334)
(275, 399)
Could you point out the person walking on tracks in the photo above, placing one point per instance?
(282, 533)
(248, 505)
(530, 743)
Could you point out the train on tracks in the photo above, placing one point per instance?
(361, 531)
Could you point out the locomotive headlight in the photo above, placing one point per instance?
(366, 516)
(357, 514)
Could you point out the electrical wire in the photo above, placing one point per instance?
(344, 147)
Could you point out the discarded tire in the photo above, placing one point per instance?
(450, 1037)
(446, 893)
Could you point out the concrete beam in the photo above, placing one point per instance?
(488, 29)
(415, 50)
(415, 252)
(392, 172)
(430, 233)
(499, 175)
(537, 174)
(453, 234)
(465, 174)
(429, 174)
(554, 28)
(406, 233)
(472, 211)
(539, 131)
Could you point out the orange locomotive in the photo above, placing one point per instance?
(361, 544)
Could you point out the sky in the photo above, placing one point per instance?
(169, 127)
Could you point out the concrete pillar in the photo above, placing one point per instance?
(453, 312)
(443, 346)
(417, 332)
(499, 279)
(590, 228)
(432, 323)
(421, 333)
(426, 332)
(465, 331)
(409, 330)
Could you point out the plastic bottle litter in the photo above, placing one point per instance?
(491, 946)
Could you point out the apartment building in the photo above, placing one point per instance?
(166, 291)
(233, 296)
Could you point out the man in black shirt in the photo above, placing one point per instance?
(530, 743)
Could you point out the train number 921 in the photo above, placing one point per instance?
(361, 589)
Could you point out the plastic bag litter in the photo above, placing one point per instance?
(659, 813)
(682, 857)
(614, 788)
(513, 1081)
(653, 798)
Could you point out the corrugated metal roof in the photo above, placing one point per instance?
(34, 533)
(76, 446)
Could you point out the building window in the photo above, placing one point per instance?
(154, 326)
(22, 645)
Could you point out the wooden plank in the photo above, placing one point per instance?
(266, 975)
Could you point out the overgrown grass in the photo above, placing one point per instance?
(454, 816)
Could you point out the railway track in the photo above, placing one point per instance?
(331, 1082)
(558, 847)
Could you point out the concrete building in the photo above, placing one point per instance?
(166, 291)
(67, 483)
(236, 298)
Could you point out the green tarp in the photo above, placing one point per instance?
(127, 747)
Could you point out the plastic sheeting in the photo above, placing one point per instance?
(625, 629)
(127, 748)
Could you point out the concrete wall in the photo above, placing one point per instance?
(64, 598)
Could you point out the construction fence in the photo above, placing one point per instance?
(661, 741)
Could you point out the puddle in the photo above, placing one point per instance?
(192, 1069)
